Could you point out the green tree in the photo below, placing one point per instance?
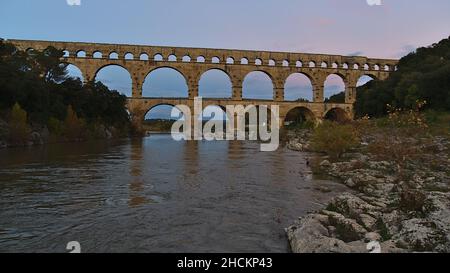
(19, 131)
(334, 139)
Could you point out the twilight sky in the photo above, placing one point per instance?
(347, 27)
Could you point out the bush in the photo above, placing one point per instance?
(74, 127)
(334, 139)
(55, 126)
(19, 131)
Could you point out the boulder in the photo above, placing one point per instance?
(309, 235)
(421, 235)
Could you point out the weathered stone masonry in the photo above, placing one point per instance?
(193, 62)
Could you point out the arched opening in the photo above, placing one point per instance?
(129, 56)
(215, 83)
(285, 63)
(74, 72)
(116, 78)
(334, 89)
(97, 55)
(230, 60)
(366, 67)
(158, 57)
(215, 60)
(298, 87)
(356, 66)
(200, 59)
(165, 82)
(299, 117)
(186, 59)
(376, 67)
(334, 65)
(298, 64)
(387, 68)
(324, 65)
(258, 62)
(312, 64)
(214, 113)
(81, 54)
(363, 80)
(257, 85)
(144, 57)
(345, 65)
(244, 61)
(172, 58)
(66, 53)
(30, 51)
(272, 62)
(113, 56)
(337, 115)
(160, 119)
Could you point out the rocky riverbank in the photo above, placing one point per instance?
(403, 205)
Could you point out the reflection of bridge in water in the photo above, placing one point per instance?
(192, 63)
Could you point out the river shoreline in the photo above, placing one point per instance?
(402, 209)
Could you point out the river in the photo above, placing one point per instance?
(154, 195)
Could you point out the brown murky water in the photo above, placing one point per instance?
(154, 195)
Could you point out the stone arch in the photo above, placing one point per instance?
(300, 83)
(115, 77)
(312, 64)
(254, 82)
(144, 57)
(258, 61)
(172, 58)
(158, 57)
(73, 71)
(285, 63)
(128, 56)
(66, 53)
(212, 105)
(186, 59)
(335, 84)
(365, 78)
(272, 62)
(230, 60)
(298, 64)
(31, 51)
(156, 105)
(337, 114)
(80, 53)
(97, 55)
(299, 115)
(335, 65)
(169, 82)
(244, 60)
(215, 83)
(324, 65)
(113, 56)
(201, 59)
(215, 60)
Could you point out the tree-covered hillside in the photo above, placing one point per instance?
(422, 76)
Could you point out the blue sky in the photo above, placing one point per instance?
(347, 27)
